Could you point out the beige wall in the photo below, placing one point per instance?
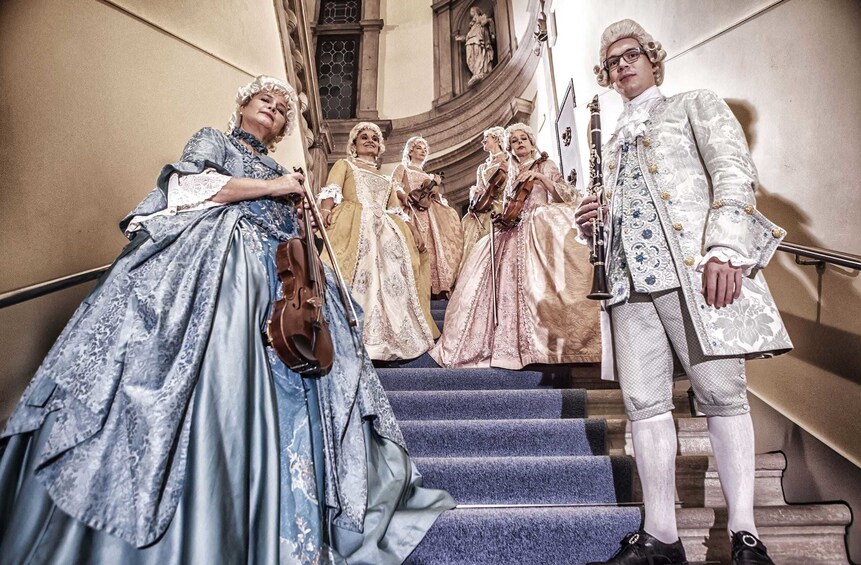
(406, 71)
(789, 70)
(94, 101)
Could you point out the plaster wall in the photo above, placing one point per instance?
(406, 72)
(95, 99)
(521, 15)
(787, 69)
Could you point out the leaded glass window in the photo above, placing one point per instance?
(340, 11)
(336, 71)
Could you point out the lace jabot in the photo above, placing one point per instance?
(632, 122)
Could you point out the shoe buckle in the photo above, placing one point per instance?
(748, 540)
(634, 538)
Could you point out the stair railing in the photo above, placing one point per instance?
(804, 255)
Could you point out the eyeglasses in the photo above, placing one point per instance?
(630, 56)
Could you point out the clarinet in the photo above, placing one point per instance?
(598, 255)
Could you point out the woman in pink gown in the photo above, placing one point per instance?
(542, 278)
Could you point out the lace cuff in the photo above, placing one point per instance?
(399, 212)
(186, 193)
(332, 191)
(193, 192)
(727, 255)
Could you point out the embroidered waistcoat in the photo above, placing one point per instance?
(639, 250)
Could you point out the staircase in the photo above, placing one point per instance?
(539, 462)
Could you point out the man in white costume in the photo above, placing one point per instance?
(685, 247)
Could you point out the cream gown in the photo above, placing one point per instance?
(440, 229)
(476, 226)
(543, 276)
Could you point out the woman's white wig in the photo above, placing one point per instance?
(265, 83)
(359, 128)
(622, 30)
(519, 127)
(411, 144)
(497, 133)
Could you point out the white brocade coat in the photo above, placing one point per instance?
(697, 167)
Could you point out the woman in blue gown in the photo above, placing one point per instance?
(161, 428)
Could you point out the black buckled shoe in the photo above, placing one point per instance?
(748, 550)
(640, 548)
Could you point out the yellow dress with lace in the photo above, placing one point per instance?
(378, 259)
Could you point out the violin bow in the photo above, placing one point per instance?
(352, 318)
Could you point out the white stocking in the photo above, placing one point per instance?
(732, 443)
(655, 452)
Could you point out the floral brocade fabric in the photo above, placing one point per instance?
(542, 278)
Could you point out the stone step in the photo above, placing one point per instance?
(804, 534)
(692, 433)
(697, 483)
(604, 403)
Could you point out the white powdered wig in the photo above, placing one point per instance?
(622, 30)
(413, 142)
(519, 127)
(265, 83)
(359, 128)
(497, 133)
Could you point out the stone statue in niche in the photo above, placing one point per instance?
(479, 44)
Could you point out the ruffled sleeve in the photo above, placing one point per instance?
(334, 188)
(727, 255)
(563, 190)
(207, 149)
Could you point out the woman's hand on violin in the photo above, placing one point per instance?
(403, 197)
(326, 215)
(536, 175)
(437, 179)
(585, 213)
(285, 185)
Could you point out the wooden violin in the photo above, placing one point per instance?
(420, 198)
(483, 202)
(520, 192)
(297, 329)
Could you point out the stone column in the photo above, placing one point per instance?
(371, 24)
(442, 55)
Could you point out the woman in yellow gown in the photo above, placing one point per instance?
(436, 228)
(374, 249)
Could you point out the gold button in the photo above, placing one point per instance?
(777, 232)
(689, 261)
(653, 169)
(677, 227)
(612, 165)
(665, 195)
(748, 209)
(717, 204)
(646, 142)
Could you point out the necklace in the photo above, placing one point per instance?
(248, 138)
(365, 161)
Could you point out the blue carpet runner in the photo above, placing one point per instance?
(530, 472)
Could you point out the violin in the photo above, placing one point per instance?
(421, 197)
(483, 202)
(297, 329)
(520, 192)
